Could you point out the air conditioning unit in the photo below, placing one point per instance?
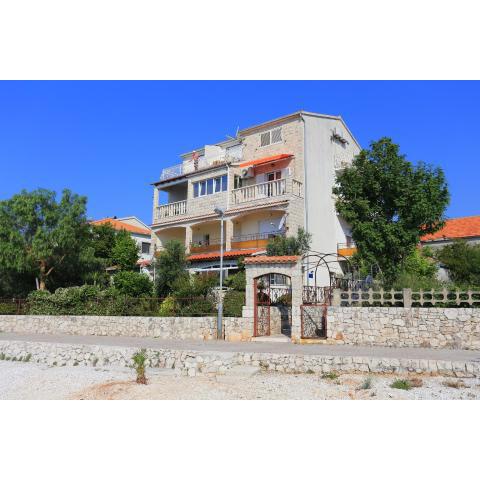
(248, 172)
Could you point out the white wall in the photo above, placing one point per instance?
(321, 219)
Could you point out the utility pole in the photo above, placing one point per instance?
(220, 212)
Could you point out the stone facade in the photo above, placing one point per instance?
(174, 328)
(405, 327)
(193, 363)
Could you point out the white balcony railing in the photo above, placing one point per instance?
(172, 209)
(258, 191)
(191, 166)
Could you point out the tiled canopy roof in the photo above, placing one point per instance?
(118, 225)
(456, 228)
(273, 259)
(228, 254)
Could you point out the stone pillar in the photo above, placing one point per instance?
(228, 233)
(407, 297)
(155, 203)
(188, 238)
(336, 299)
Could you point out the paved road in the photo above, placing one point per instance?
(281, 348)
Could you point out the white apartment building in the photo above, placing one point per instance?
(272, 179)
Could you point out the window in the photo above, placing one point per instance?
(274, 176)
(145, 247)
(210, 186)
(271, 137)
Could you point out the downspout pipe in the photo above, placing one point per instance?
(305, 186)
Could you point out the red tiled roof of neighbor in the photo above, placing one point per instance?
(463, 227)
(261, 161)
(118, 225)
(229, 253)
(273, 259)
(144, 262)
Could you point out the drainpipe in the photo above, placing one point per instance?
(305, 175)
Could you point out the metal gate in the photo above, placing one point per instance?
(268, 294)
(314, 311)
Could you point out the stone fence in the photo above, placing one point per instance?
(176, 328)
(406, 298)
(405, 327)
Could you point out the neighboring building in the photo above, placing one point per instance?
(462, 228)
(272, 179)
(140, 232)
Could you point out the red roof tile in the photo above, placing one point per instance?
(273, 259)
(227, 254)
(456, 228)
(261, 161)
(118, 225)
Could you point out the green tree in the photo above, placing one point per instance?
(133, 284)
(418, 271)
(41, 236)
(462, 262)
(389, 204)
(103, 239)
(170, 266)
(125, 251)
(296, 245)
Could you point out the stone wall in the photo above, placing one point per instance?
(179, 328)
(193, 363)
(405, 327)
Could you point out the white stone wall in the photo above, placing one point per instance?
(405, 327)
(193, 363)
(179, 328)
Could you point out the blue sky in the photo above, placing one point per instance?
(109, 140)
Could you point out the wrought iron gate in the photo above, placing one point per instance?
(314, 311)
(266, 296)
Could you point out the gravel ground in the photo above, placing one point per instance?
(35, 381)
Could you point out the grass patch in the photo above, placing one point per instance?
(401, 384)
(330, 375)
(366, 384)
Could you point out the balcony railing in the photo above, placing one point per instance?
(346, 249)
(254, 240)
(172, 209)
(258, 191)
(191, 166)
(212, 245)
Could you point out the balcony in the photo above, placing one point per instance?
(262, 191)
(254, 240)
(192, 166)
(212, 245)
(346, 249)
(171, 210)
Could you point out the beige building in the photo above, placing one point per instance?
(272, 179)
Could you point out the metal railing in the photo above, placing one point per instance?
(172, 209)
(202, 246)
(191, 166)
(258, 236)
(258, 191)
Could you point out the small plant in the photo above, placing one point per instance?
(27, 358)
(366, 384)
(2, 356)
(310, 371)
(330, 375)
(75, 364)
(401, 384)
(139, 360)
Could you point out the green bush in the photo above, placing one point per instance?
(9, 308)
(168, 308)
(133, 284)
(233, 303)
(401, 384)
(196, 307)
(237, 281)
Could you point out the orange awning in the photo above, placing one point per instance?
(261, 161)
